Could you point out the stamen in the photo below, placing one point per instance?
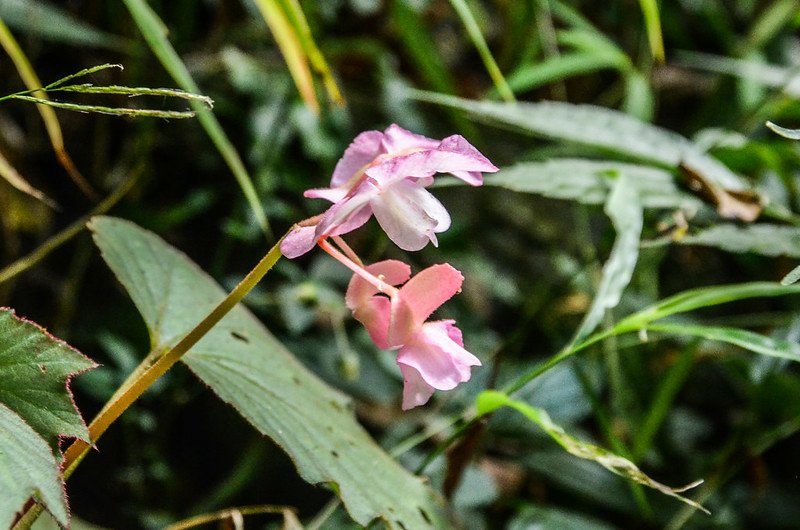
(378, 283)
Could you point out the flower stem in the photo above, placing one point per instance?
(379, 284)
(140, 380)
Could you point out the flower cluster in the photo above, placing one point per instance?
(385, 174)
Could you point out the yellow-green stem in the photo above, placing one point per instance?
(140, 380)
(131, 392)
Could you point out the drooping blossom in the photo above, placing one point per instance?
(431, 355)
(386, 173)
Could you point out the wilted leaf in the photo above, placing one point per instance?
(27, 468)
(35, 369)
(490, 400)
(248, 368)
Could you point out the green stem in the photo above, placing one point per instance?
(146, 373)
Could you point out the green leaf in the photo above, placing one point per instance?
(37, 17)
(531, 76)
(27, 468)
(743, 338)
(626, 215)
(491, 400)
(763, 73)
(35, 369)
(549, 518)
(249, 369)
(702, 297)
(763, 239)
(589, 182)
(597, 127)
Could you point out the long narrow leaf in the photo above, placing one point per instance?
(743, 338)
(625, 211)
(491, 400)
(295, 13)
(155, 34)
(702, 297)
(10, 174)
(292, 50)
(52, 126)
(652, 22)
(474, 32)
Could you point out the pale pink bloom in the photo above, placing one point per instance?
(432, 355)
(386, 173)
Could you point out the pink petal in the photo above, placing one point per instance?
(374, 314)
(362, 151)
(454, 155)
(299, 241)
(440, 361)
(359, 290)
(429, 289)
(409, 215)
(397, 139)
(349, 213)
(329, 194)
(416, 391)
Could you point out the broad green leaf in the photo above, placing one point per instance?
(249, 369)
(792, 134)
(155, 33)
(597, 127)
(27, 468)
(35, 369)
(42, 18)
(590, 182)
(763, 239)
(626, 215)
(702, 297)
(743, 338)
(491, 400)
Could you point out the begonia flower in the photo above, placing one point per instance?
(386, 173)
(431, 355)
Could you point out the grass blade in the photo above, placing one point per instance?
(474, 31)
(702, 297)
(318, 63)
(289, 43)
(11, 176)
(51, 123)
(154, 33)
(490, 400)
(652, 22)
(743, 338)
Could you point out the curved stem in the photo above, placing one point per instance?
(131, 392)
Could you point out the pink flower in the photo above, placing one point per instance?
(432, 355)
(386, 173)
